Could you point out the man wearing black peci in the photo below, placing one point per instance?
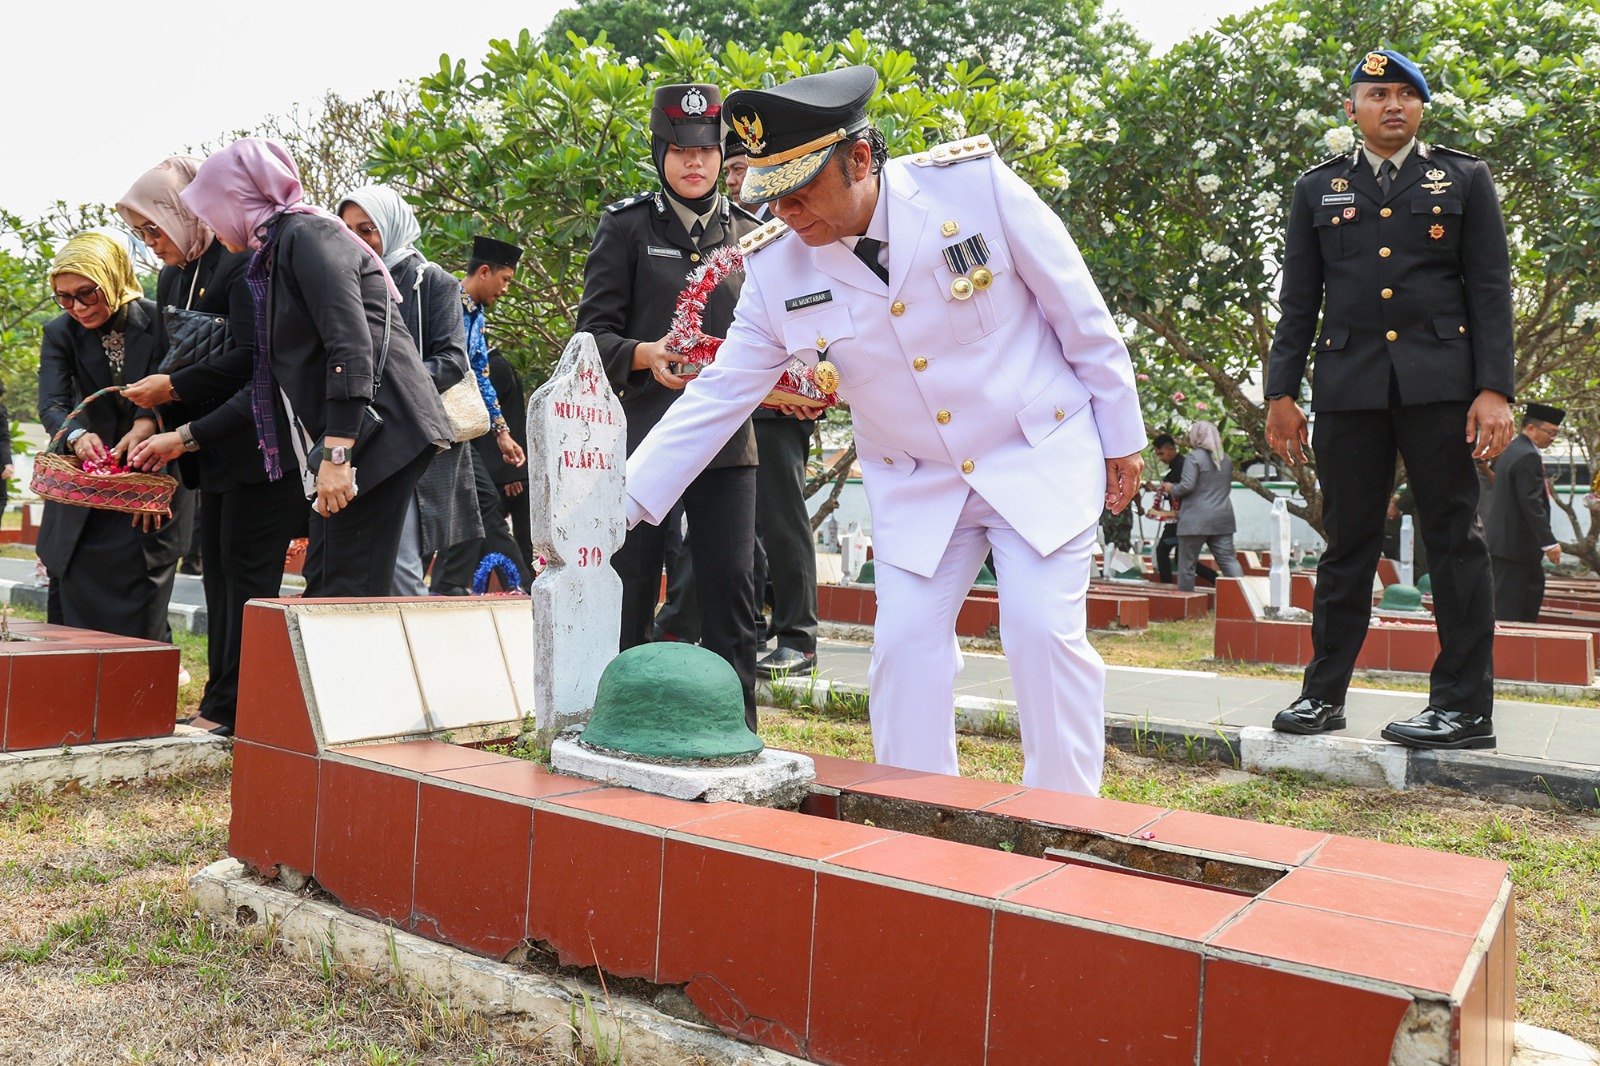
(1520, 538)
(1401, 247)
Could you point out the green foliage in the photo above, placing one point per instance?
(536, 146)
(26, 248)
(1043, 37)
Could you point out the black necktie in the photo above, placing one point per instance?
(867, 251)
(696, 230)
(1386, 174)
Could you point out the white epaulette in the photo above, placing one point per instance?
(758, 239)
(942, 155)
(627, 202)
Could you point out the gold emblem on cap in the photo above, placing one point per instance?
(1375, 64)
(961, 288)
(1339, 184)
(825, 376)
(749, 129)
(949, 229)
(982, 278)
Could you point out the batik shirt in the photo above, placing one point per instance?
(478, 356)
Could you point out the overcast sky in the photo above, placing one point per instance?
(92, 94)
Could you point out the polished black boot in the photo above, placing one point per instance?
(1309, 716)
(1439, 728)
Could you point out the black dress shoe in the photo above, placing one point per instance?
(1309, 716)
(223, 730)
(1436, 727)
(786, 661)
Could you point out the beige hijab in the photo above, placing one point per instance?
(155, 196)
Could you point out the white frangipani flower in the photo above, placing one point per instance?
(1339, 140)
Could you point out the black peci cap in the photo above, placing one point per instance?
(1545, 413)
(495, 253)
(733, 145)
(791, 129)
(689, 116)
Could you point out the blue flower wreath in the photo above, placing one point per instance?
(510, 576)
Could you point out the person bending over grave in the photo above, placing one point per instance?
(108, 571)
(994, 405)
(643, 249)
(333, 351)
(248, 520)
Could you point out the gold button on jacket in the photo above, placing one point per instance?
(967, 466)
(943, 417)
(919, 363)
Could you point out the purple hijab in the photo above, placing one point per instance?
(241, 188)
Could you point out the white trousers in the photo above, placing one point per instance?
(1058, 678)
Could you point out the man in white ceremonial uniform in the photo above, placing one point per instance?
(993, 400)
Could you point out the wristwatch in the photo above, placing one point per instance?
(339, 455)
(72, 438)
(186, 437)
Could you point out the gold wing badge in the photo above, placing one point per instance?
(750, 132)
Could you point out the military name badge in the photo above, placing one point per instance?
(1436, 183)
(1330, 199)
(1339, 184)
(966, 260)
(664, 251)
(810, 299)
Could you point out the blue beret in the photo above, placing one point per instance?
(1387, 65)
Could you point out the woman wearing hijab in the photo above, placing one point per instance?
(444, 509)
(107, 571)
(247, 521)
(643, 249)
(1206, 517)
(330, 347)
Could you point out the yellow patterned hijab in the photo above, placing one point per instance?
(103, 261)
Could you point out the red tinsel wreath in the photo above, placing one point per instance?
(797, 386)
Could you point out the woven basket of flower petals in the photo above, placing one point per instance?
(107, 486)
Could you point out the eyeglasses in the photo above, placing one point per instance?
(87, 297)
(148, 232)
(367, 229)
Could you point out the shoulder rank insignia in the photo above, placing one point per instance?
(758, 239)
(627, 202)
(942, 155)
(1325, 162)
(1442, 150)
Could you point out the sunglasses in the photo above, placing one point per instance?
(86, 297)
(149, 231)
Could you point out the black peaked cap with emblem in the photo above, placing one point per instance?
(689, 116)
(494, 252)
(792, 129)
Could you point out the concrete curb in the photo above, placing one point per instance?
(186, 751)
(320, 933)
(1372, 763)
(183, 617)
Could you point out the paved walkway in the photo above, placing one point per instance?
(1531, 730)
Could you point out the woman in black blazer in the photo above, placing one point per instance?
(248, 520)
(330, 344)
(108, 570)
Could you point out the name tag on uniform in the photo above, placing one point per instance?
(809, 300)
(1338, 198)
(666, 253)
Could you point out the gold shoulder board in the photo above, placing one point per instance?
(757, 239)
(942, 155)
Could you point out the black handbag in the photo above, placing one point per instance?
(192, 336)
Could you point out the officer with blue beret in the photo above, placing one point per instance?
(993, 401)
(1400, 249)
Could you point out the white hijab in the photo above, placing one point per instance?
(396, 221)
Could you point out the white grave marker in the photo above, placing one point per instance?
(1408, 551)
(577, 444)
(1278, 582)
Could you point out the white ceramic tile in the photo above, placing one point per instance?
(457, 654)
(362, 679)
(514, 619)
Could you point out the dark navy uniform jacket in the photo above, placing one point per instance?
(1416, 283)
(638, 266)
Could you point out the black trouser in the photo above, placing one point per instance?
(352, 553)
(244, 535)
(1518, 590)
(1356, 453)
(788, 556)
(721, 504)
(457, 564)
